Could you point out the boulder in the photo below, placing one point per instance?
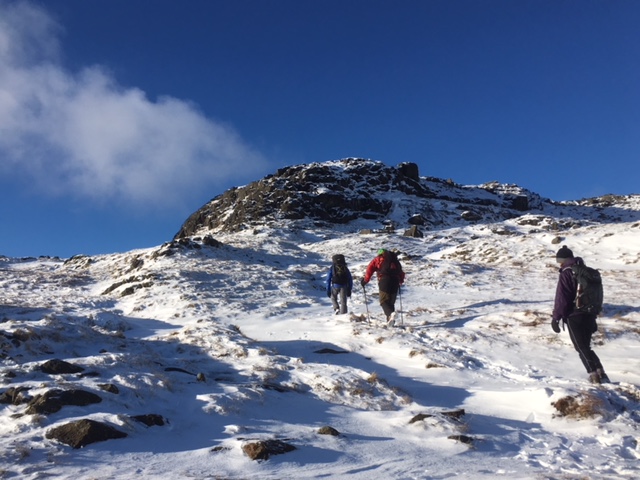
(53, 400)
(81, 433)
(263, 449)
(413, 231)
(58, 367)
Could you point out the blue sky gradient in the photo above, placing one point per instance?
(119, 118)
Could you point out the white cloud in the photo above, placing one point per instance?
(84, 134)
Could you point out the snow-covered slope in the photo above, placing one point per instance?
(250, 314)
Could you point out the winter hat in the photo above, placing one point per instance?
(563, 254)
(381, 251)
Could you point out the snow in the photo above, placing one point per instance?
(253, 317)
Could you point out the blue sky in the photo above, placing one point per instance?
(119, 118)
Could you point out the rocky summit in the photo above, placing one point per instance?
(345, 191)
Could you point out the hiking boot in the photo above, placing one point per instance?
(391, 319)
(594, 378)
(337, 311)
(604, 378)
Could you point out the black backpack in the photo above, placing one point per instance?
(390, 265)
(340, 271)
(589, 293)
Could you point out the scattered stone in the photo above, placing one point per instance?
(328, 431)
(78, 261)
(81, 433)
(457, 414)
(278, 388)
(461, 438)
(417, 220)
(263, 449)
(53, 400)
(220, 448)
(178, 369)
(136, 263)
(150, 419)
(15, 396)
(141, 281)
(330, 350)
(23, 335)
(414, 232)
(419, 417)
(470, 216)
(503, 231)
(209, 241)
(109, 387)
(59, 367)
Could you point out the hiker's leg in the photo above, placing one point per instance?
(343, 300)
(385, 303)
(580, 331)
(334, 298)
(592, 327)
(393, 295)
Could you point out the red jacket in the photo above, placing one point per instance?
(374, 266)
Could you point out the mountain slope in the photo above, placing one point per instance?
(247, 310)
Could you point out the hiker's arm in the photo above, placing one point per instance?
(565, 293)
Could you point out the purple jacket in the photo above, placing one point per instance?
(565, 291)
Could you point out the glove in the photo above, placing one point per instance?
(554, 326)
(328, 294)
(363, 283)
(349, 293)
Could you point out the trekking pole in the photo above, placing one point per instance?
(401, 309)
(366, 306)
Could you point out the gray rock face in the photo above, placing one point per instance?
(332, 193)
(339, 192)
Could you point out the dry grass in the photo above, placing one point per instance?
(537, 318)
(433, 365)
(581, 406)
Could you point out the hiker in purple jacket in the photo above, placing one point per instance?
(581, 325)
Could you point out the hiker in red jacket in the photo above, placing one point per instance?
(390, 277)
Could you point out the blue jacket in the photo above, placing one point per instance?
(564, 303)
(329, 283)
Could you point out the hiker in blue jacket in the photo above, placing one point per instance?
(339, 284)
(581, 325)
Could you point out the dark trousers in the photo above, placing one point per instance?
(339, 293)
(388, 291)
(581, 328)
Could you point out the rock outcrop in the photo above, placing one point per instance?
(340, 192)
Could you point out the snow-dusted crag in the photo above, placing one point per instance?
(339, 192)
(193, 358)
